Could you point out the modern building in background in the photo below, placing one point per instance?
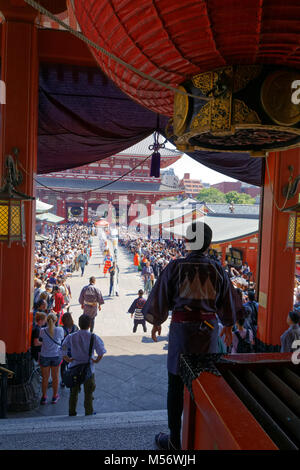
(169, 178)
(191, 187)
(228, 186)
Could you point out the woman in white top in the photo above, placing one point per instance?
(50, 356)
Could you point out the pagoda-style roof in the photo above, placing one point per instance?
(141, 149)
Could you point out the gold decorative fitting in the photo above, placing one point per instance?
(181, 108)
(276, 98)
(247, 111)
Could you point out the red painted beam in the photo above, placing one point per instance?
(61, 47)
(219, 414)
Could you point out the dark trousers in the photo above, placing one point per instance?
(139, 322)
(175, 407)
(92, 325)
(89, 387)
(63, 367)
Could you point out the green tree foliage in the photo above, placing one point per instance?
(211, 195)
(238, 198)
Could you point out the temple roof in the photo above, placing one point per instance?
(245, 209)
(166, 215)
(224, 228)
(88, 185)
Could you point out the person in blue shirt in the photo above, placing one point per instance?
(292, 333)
(78, 345)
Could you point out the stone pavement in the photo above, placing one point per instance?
(132, 376)
(107, 431)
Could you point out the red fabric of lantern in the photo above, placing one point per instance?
(172, 40)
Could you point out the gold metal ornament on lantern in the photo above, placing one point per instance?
(240, 108)
(276, 98)
(181, 108)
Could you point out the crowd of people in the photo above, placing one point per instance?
(150, 257)
(68, 249)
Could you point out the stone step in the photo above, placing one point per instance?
(106, 431)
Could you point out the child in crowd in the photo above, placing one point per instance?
(292, 333)
(136, 310)
(242, 338)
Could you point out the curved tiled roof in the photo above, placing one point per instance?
(81, 184)
(142, 148)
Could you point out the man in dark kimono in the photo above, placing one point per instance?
(91, 297)
(195, 288)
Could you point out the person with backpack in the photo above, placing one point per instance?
(242, 338)
(253, 306)
(136, 310)
(81, 346)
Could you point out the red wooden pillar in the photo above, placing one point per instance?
(277, 265)
(224, 247)
(61, 207)
(19, 71)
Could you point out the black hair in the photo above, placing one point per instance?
(294, 316)
(193, 231)
(84, 322)
(251, 295)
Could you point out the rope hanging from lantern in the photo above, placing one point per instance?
(280, 209)
(90, 43)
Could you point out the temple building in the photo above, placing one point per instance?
(100, 189)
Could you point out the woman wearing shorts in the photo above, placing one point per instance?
(50, 356)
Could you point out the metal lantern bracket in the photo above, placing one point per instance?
(13, 178)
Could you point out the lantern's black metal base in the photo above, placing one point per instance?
(24, 390)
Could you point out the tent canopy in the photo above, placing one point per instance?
(84, 117)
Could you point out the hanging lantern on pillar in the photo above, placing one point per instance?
(293, 236)
(12, 219)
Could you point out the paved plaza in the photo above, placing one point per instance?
(132, 376)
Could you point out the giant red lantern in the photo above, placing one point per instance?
(175, 41)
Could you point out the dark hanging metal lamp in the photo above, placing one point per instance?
(12, 218)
